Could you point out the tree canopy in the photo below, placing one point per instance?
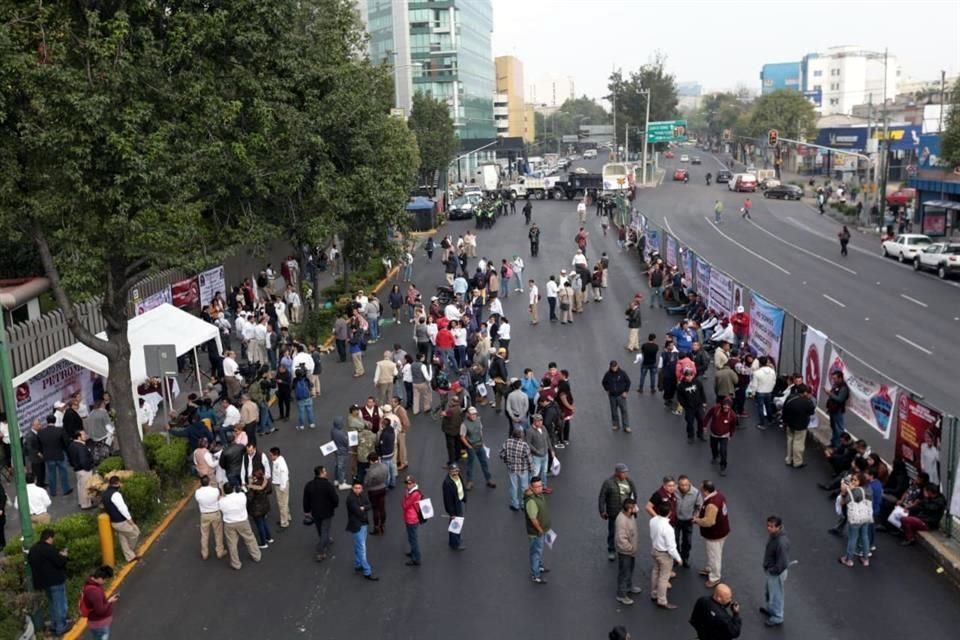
(567, 120)
(787, 111)
(950, 137)
(139, 136)
(431, 123)
(627, 93)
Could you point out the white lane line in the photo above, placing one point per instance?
(834, 301)
(747, 249)
(803, 250)
(666, 223)
(913, 300)
(915, 345)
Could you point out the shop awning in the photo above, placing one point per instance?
(943, 204)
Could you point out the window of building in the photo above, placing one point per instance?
(835, 72)
(834, 101)
(817, 87)
(817, 73)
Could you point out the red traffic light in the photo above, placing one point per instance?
(772, 137)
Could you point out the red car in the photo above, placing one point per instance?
(902, 197)
(668, 154)
(681, 175)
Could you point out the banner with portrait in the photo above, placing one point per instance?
(703, 277)
(721, 292)
(766, 327)
(671, 251)
(186, 294)
(687, 260)
(56, 383)
(653, 241)
(164, 296)
(918, 438)
(212, 282)
(872, 402)
(814, 352)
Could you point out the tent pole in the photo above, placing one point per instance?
(196, 363)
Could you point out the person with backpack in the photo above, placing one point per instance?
(94, 604)
(412, 518)
(302, 394)
(858, 500)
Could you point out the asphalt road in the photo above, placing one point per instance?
(485, 591)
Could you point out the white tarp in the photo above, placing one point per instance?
(162, 325)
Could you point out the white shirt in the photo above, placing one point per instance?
(432, 329)
(580, 259)
(303, 358)
(58, 414)
(208, 499)
(581, 208)
(83, 410)
(293, 299)
(37, 498)
(552, 288)
(234, 508)
(451, 312)
(4, 432)
(482, 265)
(281, 474)
(246, 469)
(231, 416)
(534, 294)
(929, 458)
(460, 337)
(496, 307)
(764, 379)
(662, 537)
(249, 331)
(504, 332)
(518, 264)
(362, 301)
(118, 502)
(260, 332)
(406, 373)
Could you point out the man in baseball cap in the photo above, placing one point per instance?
(454, 499)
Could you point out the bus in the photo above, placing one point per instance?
(616, 178)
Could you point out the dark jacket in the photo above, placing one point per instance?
(797, 410)
(634, 319)
(837, 398)
(725, 382)
(339, 435)
(713, 621)
(776, 557)
(701, 360)
(53, 443)
(320, 499)
(616, 382)
(48, 566)
(31, 448)
(386, 442)
(930, 510)
(690, 395)
(358, 511)
(610, 501)
(80, 457)
(452, 503)
(72, 422)
(231, 459)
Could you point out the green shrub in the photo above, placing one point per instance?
(151, 444)
(109, 465)
(141, 491)
(317, 327)
(170, 459)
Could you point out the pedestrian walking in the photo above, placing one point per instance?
(745, 210)
(537, 518)
(693, 399)
(120, 519)
(515, 453)
(721, 422)
(616, 383)
(844, 236)
(553, 292)
(454, 499)
(714, 523)
(776, 560)
(534, 302)
(717, 616)
(798, 410)
(320, 501)
(837, 406)
(663, 542)
(95, 606)
(208, 501)
(648, 362)
(534, 236)
(48, 566)
(582, 211)
(717, 211)
(626, 543)
(471, 436)
(358, 519)
(689, 502)
(634, 322)
(614, 492)
(540, 450)
(236, 525)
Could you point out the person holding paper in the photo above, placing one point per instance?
(411, 518)
(537, 517)
(515, 453)
(358, 519)
(454, 498)
(471, 435)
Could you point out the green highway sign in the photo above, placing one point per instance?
(667, 131)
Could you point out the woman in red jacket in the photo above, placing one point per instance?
(411, 518)
(95, 606)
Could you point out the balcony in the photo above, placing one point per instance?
(500, 111)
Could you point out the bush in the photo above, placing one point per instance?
(109, 465)
(317, 327)
(141, 491)
(151, 444)
(170, 460)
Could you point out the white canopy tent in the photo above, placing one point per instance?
(162, 325)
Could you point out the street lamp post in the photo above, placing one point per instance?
(646, 127)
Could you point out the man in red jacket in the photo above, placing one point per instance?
(721, 421)
(411, 518)
(95, 606)
(741, 325)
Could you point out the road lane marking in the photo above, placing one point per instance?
(747, 249)
(913, 300)
(806, 251)
(800, 225)
(915, 345)
(666, 223)
(834, 301)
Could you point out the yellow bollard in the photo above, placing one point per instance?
(106, 540)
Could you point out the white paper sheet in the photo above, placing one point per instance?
(353, 438)
(328, 448)
(456, 524)
(426, 508)
(550, 537)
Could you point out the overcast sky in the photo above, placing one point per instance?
(720, 43)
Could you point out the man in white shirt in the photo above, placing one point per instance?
(496, 307)
(251, 461)
(281, 486)
(761, 387)
(303, 359)
(451, 313)
(120, 519)
(231, 375)
(663, 543)
(362, 300)
(208, 499)
(38, 500)
(231, 418)
(534, 302)
(59, 408)
(296, 305)
(518, 272)
(552, 290)
(236, 525)
(579, 259)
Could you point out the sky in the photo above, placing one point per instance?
(719, 43)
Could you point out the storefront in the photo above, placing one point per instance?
(938, 192)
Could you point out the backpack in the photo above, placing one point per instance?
(301, 388)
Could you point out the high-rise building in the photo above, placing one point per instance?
(551, 91)
(779, 76)
(689, 94)
(508, 108)
(846, 76)
(442, 48)
(529, 123)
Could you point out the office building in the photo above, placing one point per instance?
(689, 95)
(843, 77)
(529, 123)
(779, 76)
(551, 90)
(439, 48)
(508, 107)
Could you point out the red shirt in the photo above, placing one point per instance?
(722, 421)
(445, 339)
(741, 323)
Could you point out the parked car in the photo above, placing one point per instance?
(580, 170)
(684, 158)
(941, 257)
(902, 197)
(743, 182)
(695, 160)
(767, 183)
(589, 153)
(905, 246)
(668, 154)
(784, 192)
(462, 208)
(681, 175)
(724, 176)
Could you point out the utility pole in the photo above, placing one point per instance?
(646, 127)
(19, 476)
(616, 86)
(882, 192)
(869, 138)
(943, 88)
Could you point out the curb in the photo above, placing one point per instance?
(76, 631)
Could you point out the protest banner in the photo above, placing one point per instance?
(872, 402)
(814, 350)
(56, 383)
(766, 327)
(918, 437)
(653, 241)
(671, 251)
(164, 296)
(703, 277)
(721, 292)
(212, 282)
(186, 294)
(688, 262)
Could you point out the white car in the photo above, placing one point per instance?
(940, 257)
(684, 158)
(590, 153)
(905, 246)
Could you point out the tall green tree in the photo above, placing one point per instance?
(431, 123)
(721, 112)
(627, 93)
(950, 137)
(786, 111)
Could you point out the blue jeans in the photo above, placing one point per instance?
(536, 555)
(656, 295)
(518, 484)
(652, 371)
(261, 529)
(391, 464)
(57, 597)
(272, 358)
(775, 596)
(266, 418)
(413, 542)
(518, 278)
(52, 467)
(480, 455)
(453, 540)
(448, 359)
(341, 466)
(858, 535)
(540, 468)
(305, 413)
(100, 634)
(406, 273)
(374, 325)
(504, 288)
(764, 403)
(360, 551)
(836, 430)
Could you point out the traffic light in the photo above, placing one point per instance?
(772, 138)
